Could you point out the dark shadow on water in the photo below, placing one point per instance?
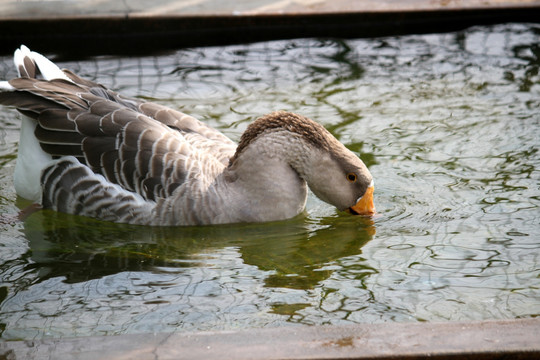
(80, 249)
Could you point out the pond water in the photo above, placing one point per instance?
(449, 125)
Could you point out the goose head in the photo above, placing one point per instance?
(341, 179)
(332, 172)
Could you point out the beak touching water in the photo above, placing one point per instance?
(364, 205)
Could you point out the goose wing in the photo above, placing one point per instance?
(143, 147)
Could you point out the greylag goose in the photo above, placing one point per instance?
(87, 150)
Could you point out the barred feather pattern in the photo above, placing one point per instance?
(146, 149)
(72, 188)
(141, 146)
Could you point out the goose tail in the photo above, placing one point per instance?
(30, 64)
(31, 159)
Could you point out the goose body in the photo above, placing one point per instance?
(87, 150)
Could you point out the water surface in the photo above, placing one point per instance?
(449, 125)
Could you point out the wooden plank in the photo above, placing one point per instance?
(515, 339)
(14, 9)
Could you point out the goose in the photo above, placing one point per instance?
(87, 150)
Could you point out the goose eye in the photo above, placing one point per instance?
(351, 177)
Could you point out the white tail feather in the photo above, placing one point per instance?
(18, 58)
(48, 69)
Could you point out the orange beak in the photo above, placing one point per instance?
(364, 205)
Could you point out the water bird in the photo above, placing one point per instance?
(87, 150)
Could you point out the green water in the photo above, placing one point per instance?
(449, 125)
